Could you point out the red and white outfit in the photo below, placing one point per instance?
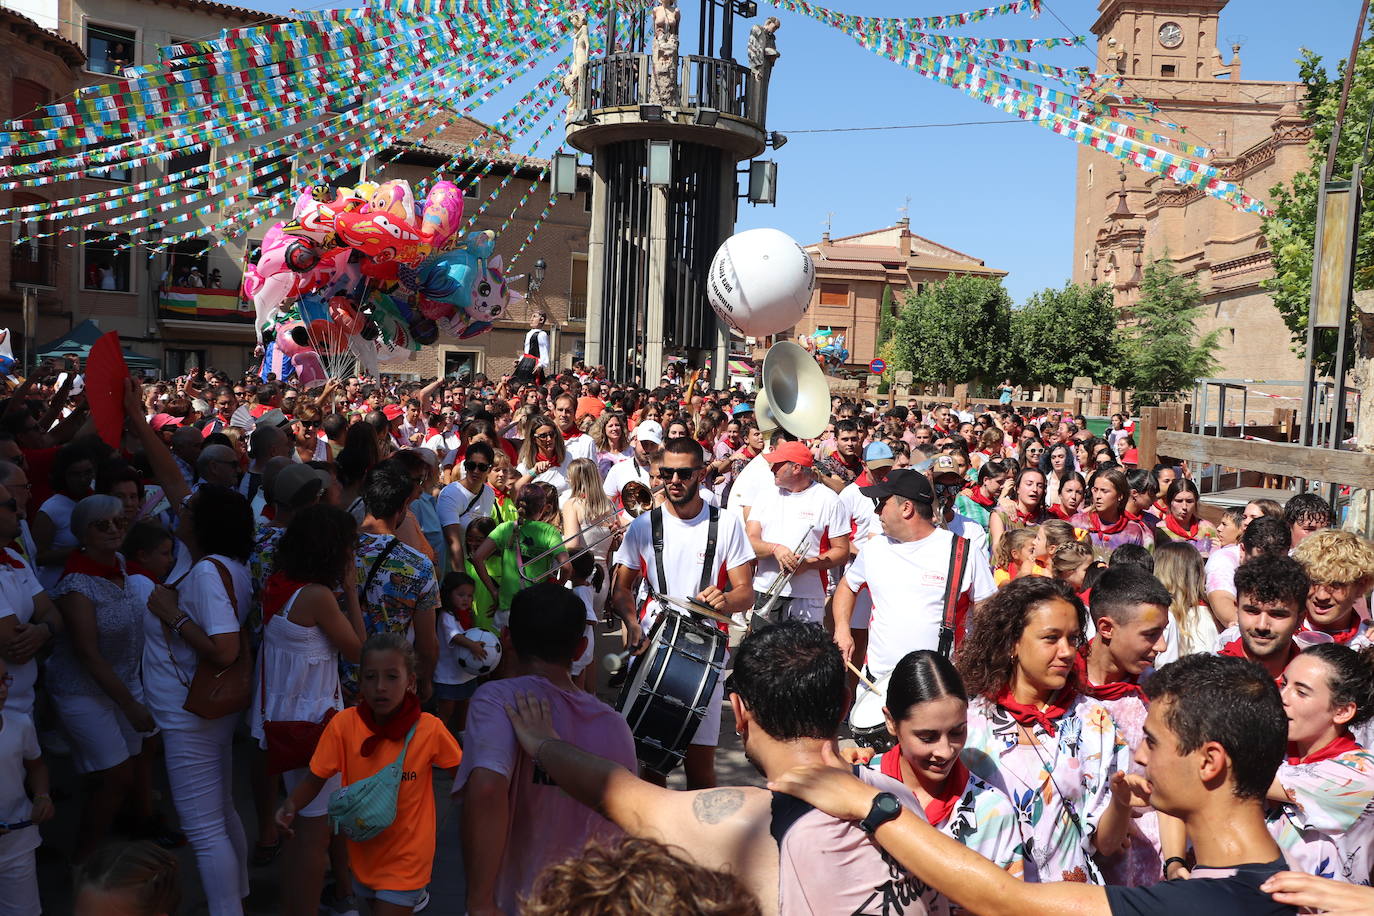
(907, 580)
(579, 445)
(863, 524)
(1327, 829)
(784, 516)
(684, 554)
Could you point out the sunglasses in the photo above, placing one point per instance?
(679, 473)
(110, 525)
(476, 466)
(308, 424)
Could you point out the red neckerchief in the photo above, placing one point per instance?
(1113, 691)
(570, 434)
(864, 479)
(1086, 596)
(1186, 533)
(1028, 715)
(1058, 512)
(1344, 636)
(1135, 518)
(501, 496)
(1028, 518)
(78, 561)
(1236, 649)
(138, 569)
(940, 805)
(1162, 506)
(9, 559)
(276, 592)
(540, 456)
(1342, 745)
(1115, 527)
(977, 495)
(749, 453)
(395, 728)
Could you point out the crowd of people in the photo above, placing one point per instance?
(1085, 697)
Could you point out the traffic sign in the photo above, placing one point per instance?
(877, 367)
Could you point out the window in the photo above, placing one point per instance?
(34, 262)
(458, 362)
(835, 294)
(180, 362)
(471, 185)
(1090, 175)
(107, 261)
(271, 175)
(183, 161)
(112, 173)
(577, 288)
(109, 49)
(28, 97)
(1168, 70)
(587, 202)
(187, 264)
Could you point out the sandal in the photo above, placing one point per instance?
(264, 854)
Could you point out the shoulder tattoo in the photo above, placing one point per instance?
(715, 805)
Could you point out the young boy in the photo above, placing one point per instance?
(1340, 566)
(1130, 611)
(21, 763)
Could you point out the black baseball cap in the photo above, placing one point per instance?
(905, 483)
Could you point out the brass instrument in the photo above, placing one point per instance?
(783, 577)
(636, 498)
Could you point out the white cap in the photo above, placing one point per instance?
(649, 431)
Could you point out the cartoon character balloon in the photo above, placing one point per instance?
(293, 341)
(451, 275)
(442, 216)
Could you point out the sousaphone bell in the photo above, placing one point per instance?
(794, 394)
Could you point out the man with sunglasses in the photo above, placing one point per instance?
(905, 571)
(698, 551)
(467, 498)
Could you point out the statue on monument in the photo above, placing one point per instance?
(572, 82)
(664, 88)
(763, 54)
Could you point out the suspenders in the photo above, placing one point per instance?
(958, 559)
(708, 560)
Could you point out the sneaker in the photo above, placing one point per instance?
(344, 906)
(422, 902)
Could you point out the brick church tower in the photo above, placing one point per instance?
(1125, 219)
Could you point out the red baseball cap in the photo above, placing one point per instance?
(791, 451)
(164, 419)
(392, 411)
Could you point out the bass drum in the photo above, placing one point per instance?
(867, 725)
(669, 688)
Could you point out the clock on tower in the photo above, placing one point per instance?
(1171, 35)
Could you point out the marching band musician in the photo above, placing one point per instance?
(906, 571)
(685, 547)
(797, 526)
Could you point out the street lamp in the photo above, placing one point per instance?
(565, 173)
(536, 277)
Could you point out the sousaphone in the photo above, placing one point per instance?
(794, 394)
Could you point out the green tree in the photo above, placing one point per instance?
(954, 331)
(1061, 334)
(1160, 348)
(1291, 230)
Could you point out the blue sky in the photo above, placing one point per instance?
(1001, 192)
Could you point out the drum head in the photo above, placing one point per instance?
(867, 711)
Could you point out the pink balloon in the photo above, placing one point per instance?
(443, 214)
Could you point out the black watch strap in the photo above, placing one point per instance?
(885, 808)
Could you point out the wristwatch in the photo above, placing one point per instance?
(885, 808)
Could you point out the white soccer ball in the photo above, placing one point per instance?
(471, 663)
(761, 282)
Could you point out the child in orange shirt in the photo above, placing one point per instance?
(392, 869)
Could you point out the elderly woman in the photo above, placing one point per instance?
(93, 674)
(200, 623)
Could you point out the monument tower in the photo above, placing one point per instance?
(666, 132)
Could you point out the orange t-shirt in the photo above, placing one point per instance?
(401, 857)
(590, 405)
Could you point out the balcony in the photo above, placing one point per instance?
(717, 102)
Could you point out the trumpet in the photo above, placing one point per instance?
(635, 497)
(783, 578)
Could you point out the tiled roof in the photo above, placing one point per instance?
(68, 50)
(252, 16)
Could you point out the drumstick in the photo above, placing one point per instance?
(860, 675)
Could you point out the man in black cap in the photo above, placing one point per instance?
(906, 571)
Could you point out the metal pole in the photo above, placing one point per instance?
(1345, 91)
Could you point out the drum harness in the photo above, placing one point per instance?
(954, 577)
(708, 558)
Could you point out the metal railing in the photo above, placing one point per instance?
(626, 80)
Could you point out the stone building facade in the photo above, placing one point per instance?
(1124, 219)
(851, 272)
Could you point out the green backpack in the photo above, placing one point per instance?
(363, 809)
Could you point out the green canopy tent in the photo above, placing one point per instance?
(78, 342)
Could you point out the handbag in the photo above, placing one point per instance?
(365, 808)
(290, 742)
(211, 693)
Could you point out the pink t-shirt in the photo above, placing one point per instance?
(830, 867)
(546, 825)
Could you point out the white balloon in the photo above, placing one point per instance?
(761, 282)
(471, 663)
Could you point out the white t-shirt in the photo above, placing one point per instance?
(18, 587)
(581, 447)
(202, 597)
(965, 527)
(784, 517)
(558, 476)
(756, 476)
(18, 742)
(622, 473)
(907, 582)
(458, 507)
(447, 669)
(684, 552)
(1221, 569)
(863, 520)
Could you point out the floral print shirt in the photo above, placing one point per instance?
(1328, 828)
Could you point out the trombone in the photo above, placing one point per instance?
(781, 581)
(636, 498)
